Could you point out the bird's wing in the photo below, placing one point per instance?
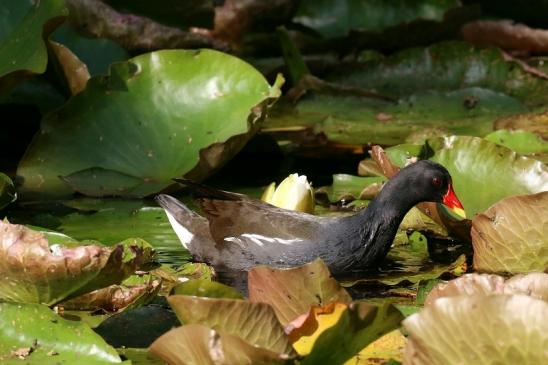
(254, 218)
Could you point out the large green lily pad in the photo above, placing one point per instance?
(479, 329)
(23, 25)
(34, 272)
(512, 235)
(52, 339)
(155, 117)
(355, 120)
(484, 172)
(121, 219)
(291, 292)
(443, 67)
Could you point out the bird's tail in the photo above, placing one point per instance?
(191, 228)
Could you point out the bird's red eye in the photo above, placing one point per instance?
(436, 181)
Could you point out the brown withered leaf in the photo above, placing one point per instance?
(512, 235)
(34, 272)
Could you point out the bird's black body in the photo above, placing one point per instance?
(238, 233)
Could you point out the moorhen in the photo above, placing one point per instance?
(238, 232)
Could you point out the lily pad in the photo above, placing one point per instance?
(196, 344)
(444, 67)
(471, 162)
(114, 298)
(291, 292)
(167, 107)
(206, 288)
(521, 141)
(359, 325)
(355, 120)
(479, 329)
(348, 187)
(35, 272)
(512, 235)
(23, 27)
(534, 284)
(337, 19)
(7, 191)
(121, 219)
(254, 323)
(50, 339)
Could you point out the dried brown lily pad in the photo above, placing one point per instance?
(533, 284)
(34, 272)
(479, 329)
(114, 298)
(512, 235)
(291, 292)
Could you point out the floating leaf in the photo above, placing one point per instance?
(23, 27)
(512, 235)
(337, 19)
(380, 351)
(53, 340)
(291, 292)
(533, 284)
(479, 329)
(254, 323)
(471, 162)
(171, 134)
(359, 325)
(114, 298)
(456, 65)
(121, 219)
(196, 344)
(354, 120)
(348, 187)
(35, 272)
(206, 288)
(521, 141)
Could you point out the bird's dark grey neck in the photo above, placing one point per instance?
(378, 224)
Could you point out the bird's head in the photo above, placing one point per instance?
(429, 181)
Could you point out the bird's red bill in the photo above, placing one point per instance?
(452, 202)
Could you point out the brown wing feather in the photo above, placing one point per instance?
(229, 218)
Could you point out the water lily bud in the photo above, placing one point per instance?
(293, 193)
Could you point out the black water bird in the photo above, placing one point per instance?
(238, 232)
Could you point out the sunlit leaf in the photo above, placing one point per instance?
(291, 292)
(53, 340)
(479, 329)
(35, 272)
(254, 323)
(151, 139)
(512, 235)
